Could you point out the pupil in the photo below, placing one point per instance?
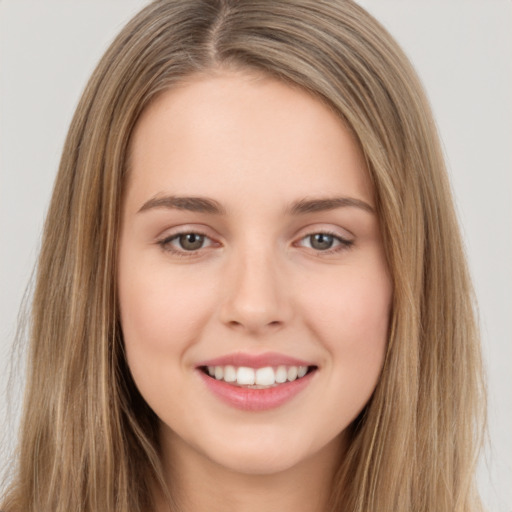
(191, 241)
(321, 241)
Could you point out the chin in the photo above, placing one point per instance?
(267, 452)
(258, 461)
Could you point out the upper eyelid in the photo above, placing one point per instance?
(330, 230)
(344, 243)
(329, 233)
(165, 244)
(204, 230)
(168, 239)
(175, 231)
(176, 234)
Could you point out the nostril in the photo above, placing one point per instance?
(255, 324)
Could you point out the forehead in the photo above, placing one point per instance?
(254, 133)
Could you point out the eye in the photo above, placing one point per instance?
(185, 242)
(321, 241)
(325, 242)
(190, 241)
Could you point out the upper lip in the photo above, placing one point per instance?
(255, 360)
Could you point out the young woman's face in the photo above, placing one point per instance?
(253, 286)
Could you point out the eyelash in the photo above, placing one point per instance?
(343, 243)
(165, 244)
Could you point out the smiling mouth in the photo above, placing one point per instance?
(257, 378)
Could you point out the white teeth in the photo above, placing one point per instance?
(292, 373)
(229, 374)
(302, 371)
(265, 376)
(259, 377)
(281, 374)
(244, 376)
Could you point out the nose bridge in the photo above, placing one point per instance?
(257, 298)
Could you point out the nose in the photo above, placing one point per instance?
(257, 299)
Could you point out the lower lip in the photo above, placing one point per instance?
(248, 399)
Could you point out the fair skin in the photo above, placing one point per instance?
(279, 262)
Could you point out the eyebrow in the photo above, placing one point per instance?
(191, 204)
(206, 205)
(319, 205)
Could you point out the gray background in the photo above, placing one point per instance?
(462, 50)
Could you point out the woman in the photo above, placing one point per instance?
(251, 278)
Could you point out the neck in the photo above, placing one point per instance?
(198, 484)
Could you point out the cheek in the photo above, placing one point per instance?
(162, 315)
(161, 308)
(351, 318)
(356, 306)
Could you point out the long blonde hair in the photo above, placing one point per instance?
(88, 441)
